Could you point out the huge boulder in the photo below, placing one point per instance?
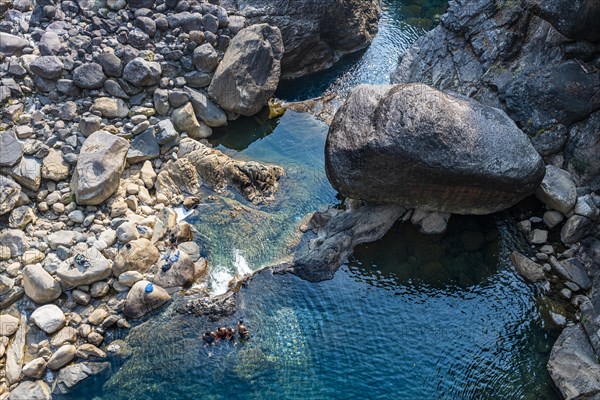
(416, 146)
(576, 19)
(316, 32)
(74, 274)
(144, 297)
(97, 174)
(249, 73)
(39, 285)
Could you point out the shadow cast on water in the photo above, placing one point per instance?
(238, 135)
(464, 256)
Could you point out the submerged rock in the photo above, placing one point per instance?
(31, 390)
(416, 146)
(249, 73)
(74, 374)
(97, 174)
(528, 269)
(334, 234)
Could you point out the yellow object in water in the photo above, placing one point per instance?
(276, 108)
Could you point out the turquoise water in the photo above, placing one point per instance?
(407, 317)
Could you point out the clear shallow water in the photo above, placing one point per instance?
(408, 317)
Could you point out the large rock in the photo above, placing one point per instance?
(144, 297)
(11, 149)
(141, 73)
(64, 355)
(205, 109)
(575, 229)
(316, 32)
(529, 270)
(557, 190)
(176, 270)
(143, 147)
(28, 172)
(31, 390)
(11, 45)
(89, 76)
(573, 365)
(416, 146)
(8, 325)
(48, 67)
(110, 108)
(137, 255)
(39, 285)
(576, 19)
(249, 73)
(15, 353)
(184, 120)
(48, 318)
(9, 194)
(77, 275)
(54, 166)
(97, 174)
(74, 374)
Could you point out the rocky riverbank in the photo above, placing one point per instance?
(105, 106)
(539, 61)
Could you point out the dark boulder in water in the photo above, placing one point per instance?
(416, 146)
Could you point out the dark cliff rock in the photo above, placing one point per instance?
(315, 32)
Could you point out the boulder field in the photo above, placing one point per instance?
(104, 111)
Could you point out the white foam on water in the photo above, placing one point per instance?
(182, 213)
(220, 275)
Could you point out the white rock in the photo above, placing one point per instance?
(48, 318)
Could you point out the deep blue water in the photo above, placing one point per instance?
(407, 317)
